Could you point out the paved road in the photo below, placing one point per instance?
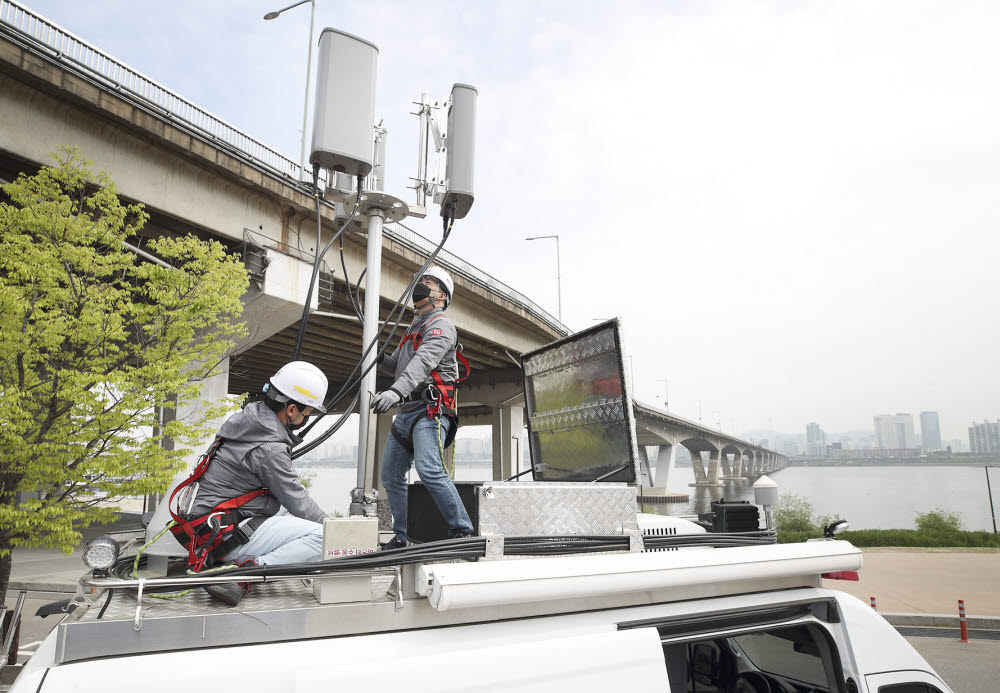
(972, 668)
(928, 581)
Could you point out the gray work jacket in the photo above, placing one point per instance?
(257, 453)
(412, 368)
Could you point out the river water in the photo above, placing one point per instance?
(868, 497)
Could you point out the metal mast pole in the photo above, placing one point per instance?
(373, 278)
(421, 184)
(989, 491)
(559, 279)
(305, 107)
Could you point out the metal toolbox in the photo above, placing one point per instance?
(526, 508)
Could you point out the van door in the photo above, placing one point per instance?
(911, 681)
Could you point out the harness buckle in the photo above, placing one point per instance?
(242, 536)
(213, 521)
(431, 394)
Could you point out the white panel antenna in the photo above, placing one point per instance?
(448, 179)
(345, 103)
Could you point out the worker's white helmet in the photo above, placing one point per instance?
(302, 382)
(444, 281)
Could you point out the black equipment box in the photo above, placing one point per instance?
(424, 521)
(733, 516)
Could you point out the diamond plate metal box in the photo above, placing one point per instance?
(542, 509)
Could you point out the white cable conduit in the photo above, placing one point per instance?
(489, 583)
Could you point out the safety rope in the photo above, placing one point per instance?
(138, 555)
(172, 595)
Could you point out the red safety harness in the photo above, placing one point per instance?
(441, 396)
(443, 401)
(209, 537)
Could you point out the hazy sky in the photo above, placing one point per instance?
(792, 205)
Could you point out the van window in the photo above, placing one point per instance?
(909, 688)
(789, 652)
(789, 658)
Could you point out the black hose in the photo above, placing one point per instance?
(472, 548)
(107, 601)
(349, 384)
(350, 294)
(319, 257)
(306, 448)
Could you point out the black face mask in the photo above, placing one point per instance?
(420, 292)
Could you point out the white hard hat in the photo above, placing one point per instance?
(302, 382)
(443, 279)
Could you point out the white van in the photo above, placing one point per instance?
(743, 619)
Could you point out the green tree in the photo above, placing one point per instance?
(794, 514)
(93, 341)
(937, 520)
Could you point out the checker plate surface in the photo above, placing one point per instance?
(541, 509)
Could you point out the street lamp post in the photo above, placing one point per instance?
(558, 269)
(305, 107)
(666, 392)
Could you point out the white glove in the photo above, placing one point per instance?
(384, 401)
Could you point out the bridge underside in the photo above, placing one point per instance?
(334, 344)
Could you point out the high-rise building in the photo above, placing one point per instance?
(930, 430)
(815, 440)
(984, 438)
(895, 432)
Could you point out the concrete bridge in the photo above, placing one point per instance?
(198, 174)
(715, 457)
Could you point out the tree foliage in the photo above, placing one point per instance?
(794, 514)
(94, 341)
(938, 520)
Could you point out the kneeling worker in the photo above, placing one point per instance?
(249, 488)
(424, 362)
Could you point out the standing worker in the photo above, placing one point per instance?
(246, 503)
(425, 366)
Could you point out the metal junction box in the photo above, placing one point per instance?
(347, 536)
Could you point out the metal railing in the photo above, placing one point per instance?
(120, 78)
(415, 241)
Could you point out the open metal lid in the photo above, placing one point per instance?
(581, 425)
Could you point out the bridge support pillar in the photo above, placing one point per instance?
(508, 423)
(726, 468)
(711, 477)
(732, 470)
(644, 466)
(659, 491)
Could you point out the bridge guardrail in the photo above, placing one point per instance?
(408, 236)
(120, 77)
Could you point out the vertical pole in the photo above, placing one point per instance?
(305, 107)
(962, 625)
(872, 600)
(559, 278)
(421, 184)
(366, 441)
(989, 492)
